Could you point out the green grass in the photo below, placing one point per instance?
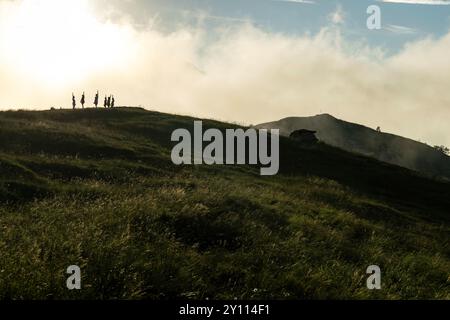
(96, 188)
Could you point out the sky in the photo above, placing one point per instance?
(244, 61)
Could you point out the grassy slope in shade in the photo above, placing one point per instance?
(96, 188)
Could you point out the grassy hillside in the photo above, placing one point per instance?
(360, 139)
(96, 188)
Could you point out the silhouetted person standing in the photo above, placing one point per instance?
(105, 104)
(96, 100)
(112, 102)
(74, 103)
(109, 102)
(83, 100)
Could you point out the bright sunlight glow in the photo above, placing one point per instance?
(60, 42)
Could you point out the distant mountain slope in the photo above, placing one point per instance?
(382, 146)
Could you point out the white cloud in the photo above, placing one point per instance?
(400, 29)
(249, 75)
(338, 16)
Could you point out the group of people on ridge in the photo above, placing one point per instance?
(109, 102)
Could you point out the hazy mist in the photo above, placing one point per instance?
(241, 74)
